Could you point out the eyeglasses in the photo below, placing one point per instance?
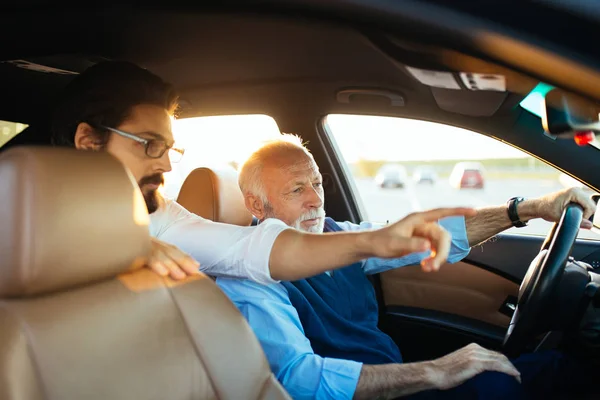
(155, 148)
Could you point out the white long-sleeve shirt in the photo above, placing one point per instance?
(221, 249)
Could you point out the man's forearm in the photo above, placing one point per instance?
(490, 221)
(297, 255)
(389, 381)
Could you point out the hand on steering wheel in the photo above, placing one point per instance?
(541, 282)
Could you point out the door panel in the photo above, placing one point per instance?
(431, 314)
(460, 289)
(509, 255)
(476, 287)
(425, 334)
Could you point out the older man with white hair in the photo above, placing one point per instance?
(320, 334)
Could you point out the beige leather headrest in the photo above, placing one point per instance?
(67, 217)
(215, 195)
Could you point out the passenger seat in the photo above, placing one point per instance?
(80, 318)
(215, 195)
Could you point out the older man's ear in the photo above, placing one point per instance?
(255, 206)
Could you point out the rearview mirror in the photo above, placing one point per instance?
(566, 114)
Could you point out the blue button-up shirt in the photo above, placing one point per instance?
(275, 322)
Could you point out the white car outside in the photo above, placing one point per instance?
(391, 175)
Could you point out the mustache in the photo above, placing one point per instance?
(157, 179)
(312, 214)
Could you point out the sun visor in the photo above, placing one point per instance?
(466, 93)
(437, 79)
(466, 102)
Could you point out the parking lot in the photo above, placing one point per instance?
(383, 205)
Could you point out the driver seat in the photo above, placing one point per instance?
(81, 318)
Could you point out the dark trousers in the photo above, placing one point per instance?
(544, 375)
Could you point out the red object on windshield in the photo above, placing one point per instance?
(584, 138)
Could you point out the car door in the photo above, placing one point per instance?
(430, 314)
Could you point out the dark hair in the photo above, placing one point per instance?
(103, 95)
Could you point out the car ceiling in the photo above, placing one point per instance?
(215, 59)
(276, 64)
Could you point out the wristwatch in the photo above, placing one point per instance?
(511, 208)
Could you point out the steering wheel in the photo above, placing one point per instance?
(540, 285)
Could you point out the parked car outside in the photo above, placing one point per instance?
(467, 175)
(391, 176)
(424, 175)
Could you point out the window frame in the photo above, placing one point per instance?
(358, 209)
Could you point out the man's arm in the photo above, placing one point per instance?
(220, 249)
(306, 375)
(296, 255)
(273, 251)
(389, 381)
(490, 221)
(459, 246)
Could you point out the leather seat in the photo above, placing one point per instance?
(81, 319)
(215, 195)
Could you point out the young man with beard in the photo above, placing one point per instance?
(126, 111)
(320, 334)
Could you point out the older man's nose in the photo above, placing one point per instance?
(315, 200)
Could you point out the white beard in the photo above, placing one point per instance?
(312, 214)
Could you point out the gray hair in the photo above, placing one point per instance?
(250, 172)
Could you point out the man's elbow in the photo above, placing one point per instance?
(299, 378)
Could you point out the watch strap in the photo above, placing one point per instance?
(511, 208)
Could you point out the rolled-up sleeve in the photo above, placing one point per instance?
(276, 323)
(459, 246)
(221, 249)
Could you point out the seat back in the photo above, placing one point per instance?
(81, 319)
(215, 195)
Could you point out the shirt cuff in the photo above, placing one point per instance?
(340, 378)
(459, 247)
(259, 250)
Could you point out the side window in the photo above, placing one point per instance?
(216, 142)
(402, 165)
(9, 130)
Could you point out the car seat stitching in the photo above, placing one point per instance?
(31, 353)
(196, 347)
